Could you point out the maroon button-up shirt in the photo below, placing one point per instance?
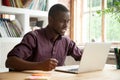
(36, 46)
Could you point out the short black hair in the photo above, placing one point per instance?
(57, 8)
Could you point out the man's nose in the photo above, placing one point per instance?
(66, 24)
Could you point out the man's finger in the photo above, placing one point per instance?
(54, 60)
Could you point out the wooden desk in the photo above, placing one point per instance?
(108, 73)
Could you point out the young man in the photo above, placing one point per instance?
(46, 48)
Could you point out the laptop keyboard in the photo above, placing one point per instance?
(73, 70)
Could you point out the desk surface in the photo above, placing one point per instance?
(108, 73)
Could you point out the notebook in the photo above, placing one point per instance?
(94, 58)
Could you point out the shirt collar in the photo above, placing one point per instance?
(49, 35)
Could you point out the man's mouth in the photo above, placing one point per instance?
(64, 30)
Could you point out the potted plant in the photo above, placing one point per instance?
(114, 10)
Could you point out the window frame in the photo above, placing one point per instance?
(72, 28)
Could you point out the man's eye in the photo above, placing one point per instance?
(61, 21)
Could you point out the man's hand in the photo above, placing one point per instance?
(49, 64)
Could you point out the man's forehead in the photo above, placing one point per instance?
(63, 14)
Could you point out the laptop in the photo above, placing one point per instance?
(93, 59)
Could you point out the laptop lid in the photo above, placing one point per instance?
(94, 58)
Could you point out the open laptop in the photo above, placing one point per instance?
(94, 58)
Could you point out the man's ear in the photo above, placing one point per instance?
(50, 19)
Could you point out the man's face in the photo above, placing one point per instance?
(60, 22)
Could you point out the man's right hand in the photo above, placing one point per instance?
(49, 64)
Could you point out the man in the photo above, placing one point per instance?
(46, 48)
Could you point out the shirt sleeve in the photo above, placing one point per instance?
(74, 51)
(25, 48)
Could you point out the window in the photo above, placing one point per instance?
(90, 26)
(112, 25)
